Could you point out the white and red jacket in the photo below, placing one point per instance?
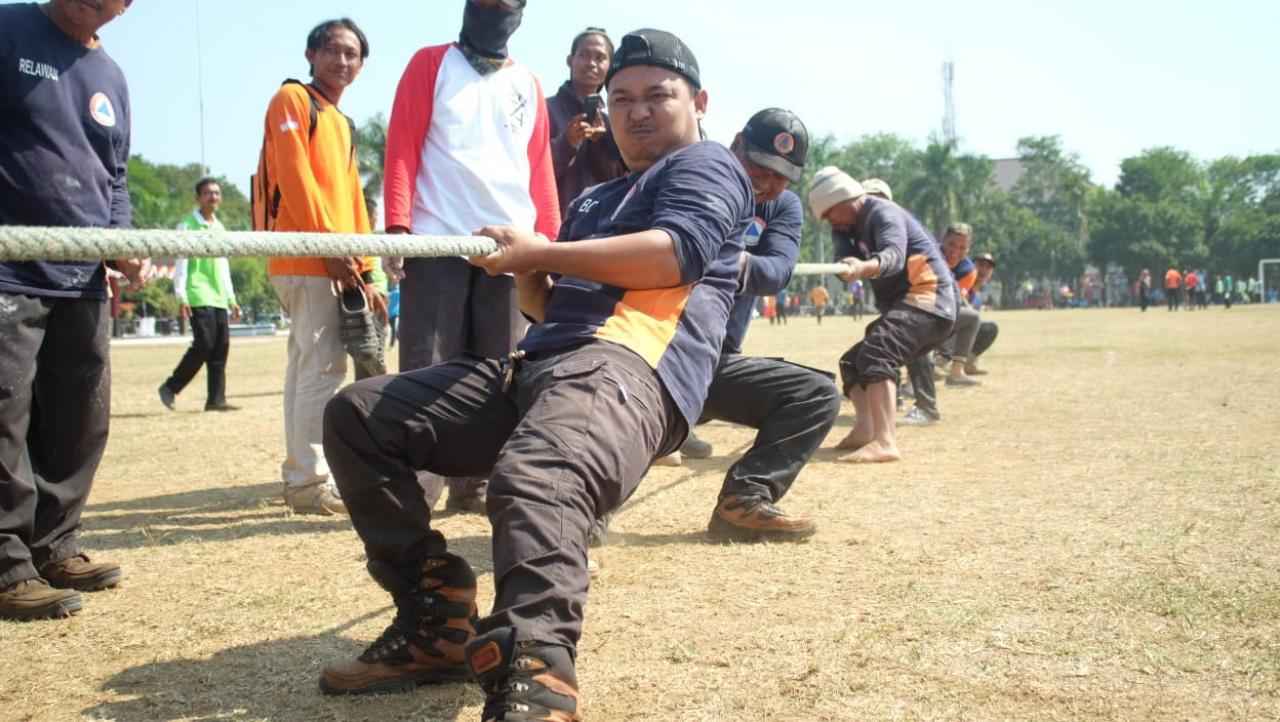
(466, 150)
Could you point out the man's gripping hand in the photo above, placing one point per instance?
(518, 250)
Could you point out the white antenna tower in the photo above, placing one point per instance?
(204, 167)
(949, 99)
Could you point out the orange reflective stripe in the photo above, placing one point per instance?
(646, 321)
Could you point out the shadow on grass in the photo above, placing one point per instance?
(202, 515)
(633, 539)
(270, 680)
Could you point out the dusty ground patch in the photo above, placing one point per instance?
(1094, 534)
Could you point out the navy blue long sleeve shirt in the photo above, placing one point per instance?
(64, 146)
(773, 245)
(912, 270)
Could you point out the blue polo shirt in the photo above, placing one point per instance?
(64, 146)
(773, 245)
(701, 196)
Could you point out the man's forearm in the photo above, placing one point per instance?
(634, 261)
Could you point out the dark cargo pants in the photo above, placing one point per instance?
(55, 407)
(448, 307)
(210, 345)
(792, 407)
(568, 442)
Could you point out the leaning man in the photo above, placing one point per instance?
(64, 150)
(629, 313)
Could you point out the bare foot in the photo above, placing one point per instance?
(872, 453)
(850, 442)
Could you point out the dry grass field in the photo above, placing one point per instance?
(1092, 535)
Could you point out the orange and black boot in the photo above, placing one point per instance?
(746, 517)
(426, 640)
(524, 681)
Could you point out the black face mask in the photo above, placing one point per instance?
(486, 30)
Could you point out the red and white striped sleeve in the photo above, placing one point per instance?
(542, 172)
(407, 133)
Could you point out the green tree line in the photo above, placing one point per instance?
(1167, 208)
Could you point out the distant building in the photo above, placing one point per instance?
(1007, 173)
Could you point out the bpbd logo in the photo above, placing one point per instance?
(102, 111)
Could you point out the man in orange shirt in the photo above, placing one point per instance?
(1192, 282)
(308, 180)
(1173, 288)
(819, 296)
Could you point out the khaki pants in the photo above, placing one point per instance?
(317, 368)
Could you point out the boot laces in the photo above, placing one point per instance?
(415, 614)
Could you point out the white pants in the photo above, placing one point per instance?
(317, 368)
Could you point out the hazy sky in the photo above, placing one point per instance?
(1111, 78)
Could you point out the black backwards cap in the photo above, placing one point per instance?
(659, 48)
(777, 140)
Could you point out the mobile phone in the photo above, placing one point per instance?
(592, 107)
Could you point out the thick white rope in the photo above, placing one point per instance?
(25, 243)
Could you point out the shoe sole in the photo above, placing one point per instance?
(722, 532)
(61, 609)
(106, 580)
(400, 685)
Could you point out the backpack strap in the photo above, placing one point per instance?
(317, 107)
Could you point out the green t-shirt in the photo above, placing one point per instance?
(207, 282)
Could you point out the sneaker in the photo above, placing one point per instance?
(167, 397)
(696, 448)
(224, 406)
(672, 459)
(322, 499)
(357, 329)
(82, 575)
(469, 504)
(526, 681)
(962, 382)
(747, 517)
(426, 640)
(35, 599)
(941, 365)
(919, 417)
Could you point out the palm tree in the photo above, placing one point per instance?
(371, 153)
(934, 194)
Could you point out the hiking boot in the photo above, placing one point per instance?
(82, 575)
(426, 640)
(747, 517)
(167, 397)
(696, 448)
(34, 599)
(358, 330)
(322, 499)
(919, 417)
(526, 681)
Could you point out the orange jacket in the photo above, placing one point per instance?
(316, 174)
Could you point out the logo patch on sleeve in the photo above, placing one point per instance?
(102, 111)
